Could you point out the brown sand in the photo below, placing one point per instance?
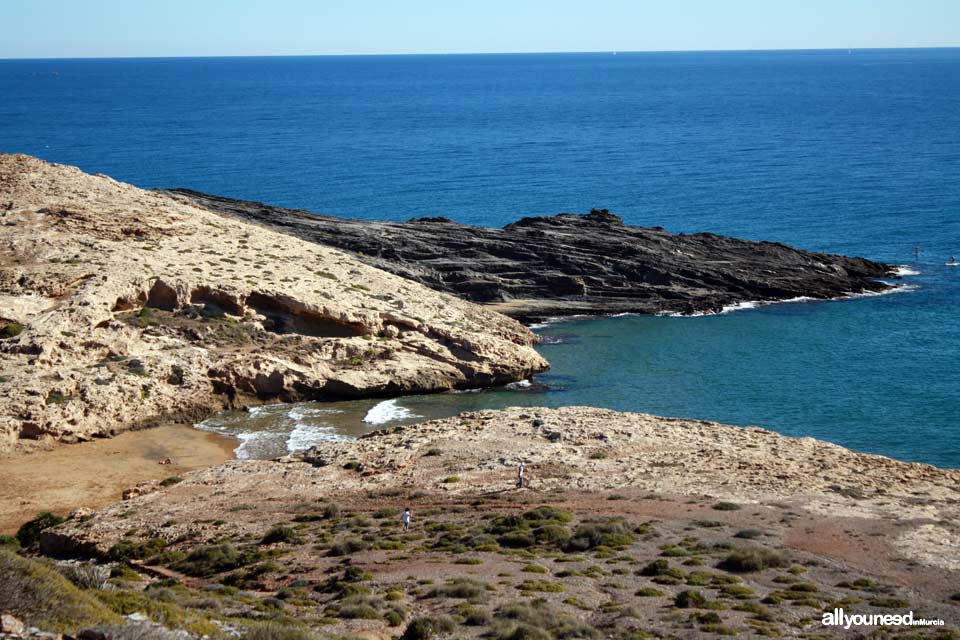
(93, 474)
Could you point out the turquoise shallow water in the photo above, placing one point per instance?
(856, 153)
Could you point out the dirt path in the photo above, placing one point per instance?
(93, 474)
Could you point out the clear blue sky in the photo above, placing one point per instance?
(78, 28)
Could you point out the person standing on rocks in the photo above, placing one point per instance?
(520, 478)
(406, 519)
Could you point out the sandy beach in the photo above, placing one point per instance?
(93, 474)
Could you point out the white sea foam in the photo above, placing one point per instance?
(753, 304)
(388, 411)
(248, 441)
(305, 436)
(905, 270)
(299, 412)
(519, 384)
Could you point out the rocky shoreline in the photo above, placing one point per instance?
(122, 308)
(568, 264)
(648, 524)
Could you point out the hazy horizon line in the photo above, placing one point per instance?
(474, 53)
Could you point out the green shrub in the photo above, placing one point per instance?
(279, 533)
(347, 547)
(394, 617)
(540, 585)
(274, 630)
(463, 588)
(547, 512)
(428, 627)
(29, 532)
(534, 568)
(689, 600)
(517, 540)
(748, 534)
(889, 603)
(213, 559)
(451, 479)
(172, 480)
(331, 511)
(11, 330)
(42, 597)
(648, 592)
(129, 549)
(710, 617)
(524, 632)
(9, 541)
(472, 616)
(748, 560)
(726, 506)
(614, 533)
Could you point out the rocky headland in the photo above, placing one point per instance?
(541, 267)
(122, 308)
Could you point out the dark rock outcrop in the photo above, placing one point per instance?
(570, 264)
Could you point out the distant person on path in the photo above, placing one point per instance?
(520, 471)
(406, 519)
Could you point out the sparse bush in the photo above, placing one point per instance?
(38, 594)
(613, 533)
(474, 616)
(347, 547)
(172, 480)
(11, 330)
(86, 575)
(331, 511)
(726, 506)
(29, 532)
(547, 512)
(538, 620)
(213, 559)
(889, 603)
(648, 592)
(689, 600)
(8, 541)
(279, 533)
(534, 568)
(748, 534)
(524, 632)
(433, 451)
(540, 585)
(129, 549)
(276, 631)
(463, 588)
(428, 627)
(748, 560)
(137, 631)
(394, 617)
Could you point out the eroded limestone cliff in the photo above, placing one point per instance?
(120, 307)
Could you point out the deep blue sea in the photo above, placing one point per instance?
(851, 152)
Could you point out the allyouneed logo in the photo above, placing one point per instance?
(837, 618)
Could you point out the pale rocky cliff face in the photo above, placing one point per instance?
(136, 308)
